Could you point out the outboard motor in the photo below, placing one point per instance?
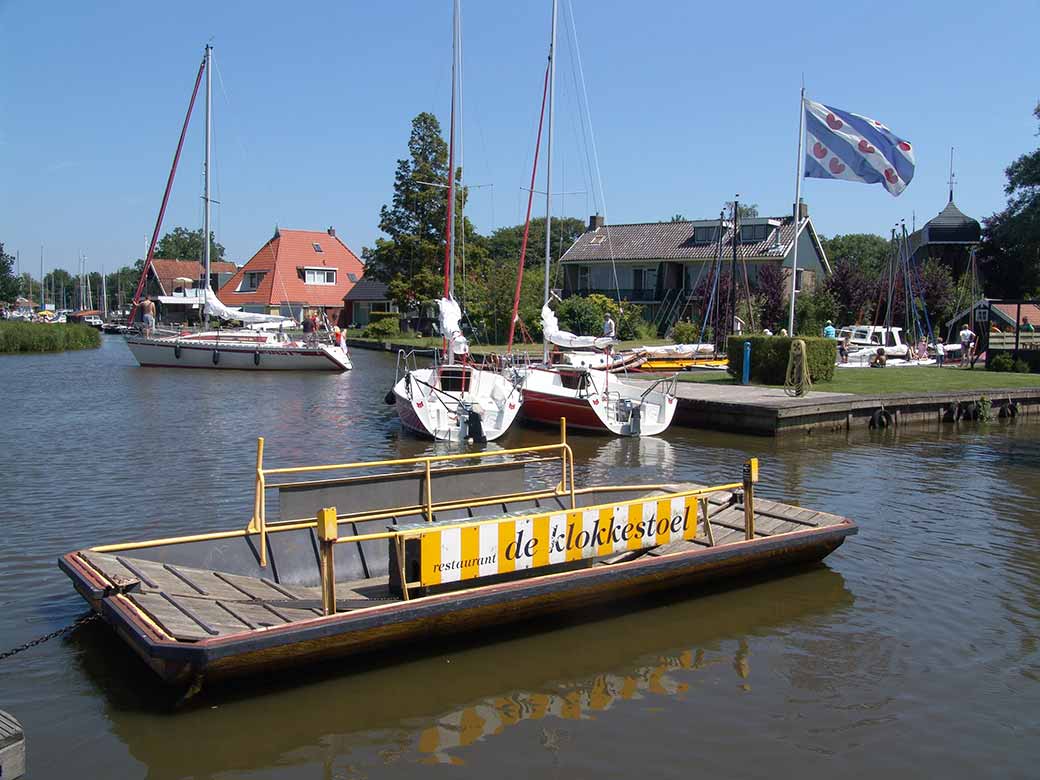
(635, 419)
(475, 426)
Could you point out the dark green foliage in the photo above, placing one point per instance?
(183, 244)
(41, 337)
(853, 286)
(684, 333)
(504, 244)
(1011, 238)
(1022, 366)
(770, 355)
(583, 315)
(813, 309)
(9, 284)
(1001, 362)
(771, 293)
(865, 251)
(386, 327)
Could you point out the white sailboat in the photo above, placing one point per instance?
(456, 400)
(591, 399)
(261, 345)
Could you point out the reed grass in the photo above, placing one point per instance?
(42, 337)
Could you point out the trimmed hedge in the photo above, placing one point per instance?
(385, 327)
(44, 337)
(770, 354)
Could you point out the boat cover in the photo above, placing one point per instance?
(679, 350)
(451, 325)
(562, 338)
(216, 308)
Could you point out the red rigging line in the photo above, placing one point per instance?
(166, 198)
(527, 220)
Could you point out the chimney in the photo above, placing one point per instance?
(803, 210)
(595, 222)
(332, 231)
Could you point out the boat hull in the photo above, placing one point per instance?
(433, 414)
(449, 613)
(183, 353)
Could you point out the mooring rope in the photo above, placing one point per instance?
(798, 381)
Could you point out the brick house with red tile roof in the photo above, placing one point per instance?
(165, 274)
(296, 269)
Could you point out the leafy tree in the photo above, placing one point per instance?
(746, 210)
(9, 283)
(504, 244)
(935, 284)
(1011, 238)
(866, 251)
(678, 218)
(854, 289)
(410, 260)
(583, 314)
(183, 244)
(771, 289)
(813, 309)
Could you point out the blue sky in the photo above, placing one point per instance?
(691, 103)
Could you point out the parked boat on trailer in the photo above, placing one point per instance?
(427, 546)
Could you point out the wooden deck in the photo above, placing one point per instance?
(193, 604)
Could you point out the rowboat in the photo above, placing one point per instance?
(430, 546)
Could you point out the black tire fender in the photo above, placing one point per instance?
(881, 418)
(216, 357)
(256, 358)
(177, 351)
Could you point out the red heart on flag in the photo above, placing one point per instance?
(865, 147)
(891, 175)
(836, 166)
(834, 123)
(904, 146)
(819, 150)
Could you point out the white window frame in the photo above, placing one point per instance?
(310, 275)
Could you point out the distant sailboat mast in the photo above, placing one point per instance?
(548, 166)
(205, 195)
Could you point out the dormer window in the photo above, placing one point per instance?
(317, 247)
(752, 234)
(250, 281)
(319, 275)
(597, 239)
(705, 235)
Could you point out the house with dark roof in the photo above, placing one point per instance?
(365, 297)
(656, 261)
(308, 271)
(949, 237)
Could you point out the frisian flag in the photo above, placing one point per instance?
(843, 145)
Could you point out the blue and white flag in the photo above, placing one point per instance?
(843, 145)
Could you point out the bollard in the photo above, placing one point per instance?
(746, 378)
(328, 532)
(750, 478)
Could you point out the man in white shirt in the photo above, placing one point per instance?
(609, 329)
(967, 338)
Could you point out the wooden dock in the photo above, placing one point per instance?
(12, 747)
(768, 411)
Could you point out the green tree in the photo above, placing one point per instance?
(746, 210)
(504, 243)
(1010, 264)
(771, 290)
(411, 259)
(183, 244)
(9, 283)
(583, 315)
(813, 309)
(866, 251)
(854, 288)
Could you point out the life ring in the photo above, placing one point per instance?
(881, 418)
(177, 351)
(968, 410)
(216, 357)
(256, 358)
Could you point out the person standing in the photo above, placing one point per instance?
(148, 315)
(1027, 326)
(609, 329)
(967, 338)
(308, 330)
(828, 331)
(940, 352)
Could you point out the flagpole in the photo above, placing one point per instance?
(797, 209)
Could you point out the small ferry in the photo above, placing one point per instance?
(375, 554)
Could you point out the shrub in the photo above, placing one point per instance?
(41, 337)
(685, 333)
(385, 327)
(1021, 366)
(1000, 362)
(770, 354)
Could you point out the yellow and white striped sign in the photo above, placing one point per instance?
(463, 552)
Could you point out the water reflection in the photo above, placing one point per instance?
(430, 704)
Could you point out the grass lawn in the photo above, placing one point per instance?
(866, 381)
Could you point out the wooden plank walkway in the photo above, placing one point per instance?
(193, 604)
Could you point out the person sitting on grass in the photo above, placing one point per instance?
(878, 359)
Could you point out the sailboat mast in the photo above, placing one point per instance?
(548, 165)
(449, 227)
(205, 194)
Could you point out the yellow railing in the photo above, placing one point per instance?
(258, 524)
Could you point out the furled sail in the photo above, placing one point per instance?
(563, 338)
(451, 325)
(216, 308)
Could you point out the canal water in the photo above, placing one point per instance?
(913, 648)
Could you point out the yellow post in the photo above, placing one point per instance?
(399, 543)
(703, 503)
(429, 493)
(328, 532)
(750, 478)
(254, 523)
